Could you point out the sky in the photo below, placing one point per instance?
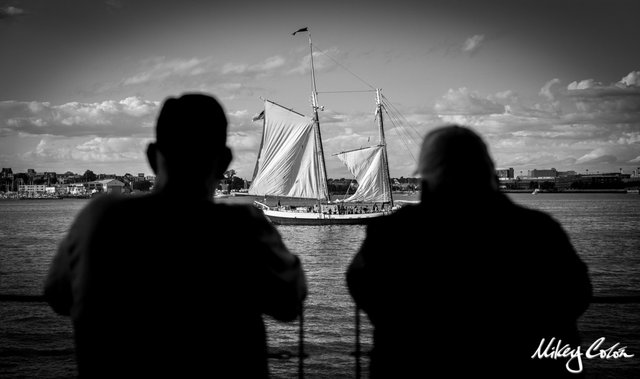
(548, 84)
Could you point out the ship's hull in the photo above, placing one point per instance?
(308, 218)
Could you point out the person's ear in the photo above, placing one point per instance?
(152, 150)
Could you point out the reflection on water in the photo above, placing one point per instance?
(603, 228)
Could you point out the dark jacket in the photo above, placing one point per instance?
(158, 286)
(468, 286)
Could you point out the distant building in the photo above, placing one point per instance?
(6, 173)
(111, 186)
(76, 189)
(32, 188)
(610, 180)
(6, 180)
(552, 173)
(505, 173)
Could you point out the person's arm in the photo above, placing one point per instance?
(360, 275)
(57, 287)
(284, 286)
(65, 282)
(572, 277)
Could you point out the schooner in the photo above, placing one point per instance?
(291, 163)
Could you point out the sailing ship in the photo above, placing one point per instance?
(291, 163)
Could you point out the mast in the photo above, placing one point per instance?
(383, 142)
(321, 175)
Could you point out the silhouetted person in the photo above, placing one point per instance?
(467, 283)
(171, 284)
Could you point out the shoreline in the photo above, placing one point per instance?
(619, 191)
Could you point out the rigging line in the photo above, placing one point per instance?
(368, 90)
(418, 134)
(341, 65)
(402, 138)
(397, 119)
(401, 117)
(348, 187)
(404, 129)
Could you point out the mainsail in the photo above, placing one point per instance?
(287, 163)
(367, 165)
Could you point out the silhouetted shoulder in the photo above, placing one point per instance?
(407, 212)
(246, 214)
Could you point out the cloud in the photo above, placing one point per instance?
(114, 5)
(159, 68)
(473, 43)
(109, 118)
(613, 103)
(324, 60)
(583, 84)
(596, 156)
(227, 91)
(632, 79)
(94, 150)
(585, 123)
(465, 102)
(546, 90)
(264, 68)
(10, 12)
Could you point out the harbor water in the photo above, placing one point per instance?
(604, 228)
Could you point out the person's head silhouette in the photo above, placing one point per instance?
(454, 159)
(190, 147)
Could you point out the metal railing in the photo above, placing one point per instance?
(357, 353)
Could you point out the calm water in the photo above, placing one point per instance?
(34, 342)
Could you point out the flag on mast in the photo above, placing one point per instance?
(305, 29)
(258, 116)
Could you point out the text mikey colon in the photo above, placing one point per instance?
(556, 350)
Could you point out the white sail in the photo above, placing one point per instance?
(367, 165)
(287, 162)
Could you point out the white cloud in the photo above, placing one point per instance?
(321, 61)
(11, 12)
(465, 102)
(632, 79)
(264, 68)
(546, 90)
(159, 68)
(473, 43)
(587, 123)
(125, 117)
(53, 149)
(583, 84)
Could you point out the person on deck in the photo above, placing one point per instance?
(171, 284)
(472, 284)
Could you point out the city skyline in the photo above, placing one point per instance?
(547, 83)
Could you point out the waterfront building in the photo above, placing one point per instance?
(32, 188)
(506, 173)
(76, 189)
(111, 186)
(550, 173)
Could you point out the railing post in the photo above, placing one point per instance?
(301, 343)
(358, 352)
